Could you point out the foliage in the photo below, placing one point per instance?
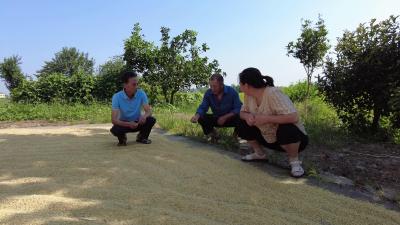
(108, 80)
(176, 65)
(56, 88)
(68, 61)
(310, 48)
(362, 81)
(298, 92)
(11, 73)
(52, 112)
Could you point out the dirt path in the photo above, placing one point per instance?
(76, 175)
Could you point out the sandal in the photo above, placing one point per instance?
(254, 157)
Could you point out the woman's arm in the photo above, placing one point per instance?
(278, 119)
(244, 115)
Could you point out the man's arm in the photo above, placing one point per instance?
(236, 106)
(147, 112)
(202, 109)
(204, 106)
(146, 107)
(115, 115)
(116, 121)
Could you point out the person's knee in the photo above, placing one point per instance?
(287, 134)
(202, 120)
(303, 143)
(151, 120)
(244, 130)
(242, 125)
(115, 131)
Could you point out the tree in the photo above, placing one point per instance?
(11, 73)
(108, 79)
(139, 54)
(395, 107)
(363, 80)
(68, 62)
(179, 64)
(310, 48)
(176, 65)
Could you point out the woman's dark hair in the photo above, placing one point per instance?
(127, 75)
(253, 77)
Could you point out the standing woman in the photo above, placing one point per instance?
(269, 118)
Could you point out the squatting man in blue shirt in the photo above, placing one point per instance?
(225, 105)
(126, 113)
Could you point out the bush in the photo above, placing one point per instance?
(56, 88)
(53, 88)
(188, 98)
(297, 92)
(108, 81)
(26, 92)
(81, 88)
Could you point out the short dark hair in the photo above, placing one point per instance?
(127, 75)
(218, 77)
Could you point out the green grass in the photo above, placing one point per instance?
(322, 122)
(93, 113)
(176, 119)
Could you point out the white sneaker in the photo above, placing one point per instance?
(297, 170)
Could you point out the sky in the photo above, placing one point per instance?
(240, 34)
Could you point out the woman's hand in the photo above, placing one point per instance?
(260, 119)
(250, 120)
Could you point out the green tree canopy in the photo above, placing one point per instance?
(68, 62)
(108, 79)
(10, 72)
(177, 64)
(362, 80)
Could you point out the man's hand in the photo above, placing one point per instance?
(142, 119)
(222, 120)
(195, 118)
(133, 125)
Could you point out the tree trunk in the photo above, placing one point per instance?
(165, 93)
(172, 97)
(375, 121)
(307, 95)
(309, 72)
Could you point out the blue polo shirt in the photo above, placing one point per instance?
(129, 108)
(230, 102)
